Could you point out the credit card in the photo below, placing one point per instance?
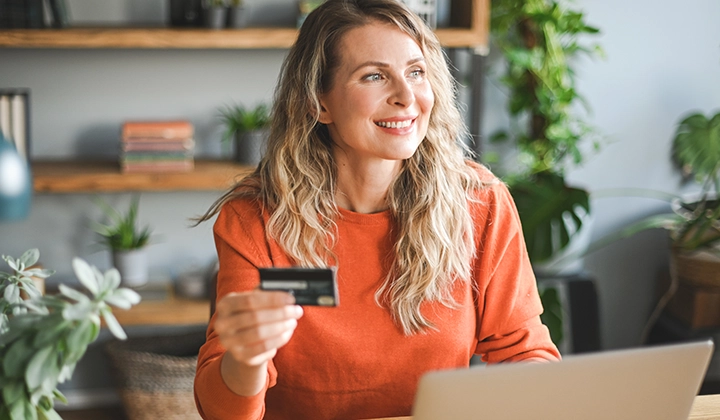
(310, 286)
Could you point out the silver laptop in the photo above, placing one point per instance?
(646, 383)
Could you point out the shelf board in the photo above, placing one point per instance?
(173, 311)
(166, 38)
(105, 176)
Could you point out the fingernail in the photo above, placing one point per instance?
(298, 311)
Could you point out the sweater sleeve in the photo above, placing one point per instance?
(238, 237)
(509, 305)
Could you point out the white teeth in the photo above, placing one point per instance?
(394, 124)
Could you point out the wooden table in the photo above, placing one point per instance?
(705, 407)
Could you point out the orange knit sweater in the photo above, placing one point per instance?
(352, 361)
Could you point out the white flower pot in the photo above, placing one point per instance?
(132, 265)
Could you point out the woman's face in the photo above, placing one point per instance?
(379, 104)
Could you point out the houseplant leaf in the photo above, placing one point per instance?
(696, 147)
(547, 206)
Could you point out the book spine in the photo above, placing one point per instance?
(34, 18)
(60, 13)
(19, 124)
(181, 145)
(5, 127)
(157, 130)
(15, 16)
(183, 166)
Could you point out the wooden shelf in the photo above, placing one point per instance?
(471, 18)
(165, 38)
(105, 176)
(173, 311)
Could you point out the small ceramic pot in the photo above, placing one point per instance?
(214, 17)
(132, 265)
(236, 17)
(250, 146)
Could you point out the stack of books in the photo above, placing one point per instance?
(157, 146)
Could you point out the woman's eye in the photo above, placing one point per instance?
(417, 73)
(375, 77)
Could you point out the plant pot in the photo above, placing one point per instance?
(250, 146)
(699, 269)
(132, 265)
(236, 17)
(185, 12)
(214, 17)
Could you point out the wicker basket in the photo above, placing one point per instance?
(154, 375)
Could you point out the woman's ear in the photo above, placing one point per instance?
(324, 116)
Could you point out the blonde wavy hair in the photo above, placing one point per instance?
(429, 199)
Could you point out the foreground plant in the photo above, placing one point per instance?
(43, 337)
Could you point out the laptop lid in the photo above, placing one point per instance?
(656, 383)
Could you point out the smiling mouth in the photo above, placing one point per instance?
(394, 124)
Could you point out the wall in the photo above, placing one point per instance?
(663, 60)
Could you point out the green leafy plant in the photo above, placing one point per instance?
(696, 149)
(214, 3)
(42, 338)
(694, 223)
(122, 231)
(538, 40)
(238, 119)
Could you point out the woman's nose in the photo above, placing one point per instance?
(402, 93)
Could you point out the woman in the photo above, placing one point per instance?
(364, 172)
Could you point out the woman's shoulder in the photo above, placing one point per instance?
(485, 183)
(485, 175)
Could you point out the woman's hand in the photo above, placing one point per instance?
(253, 325)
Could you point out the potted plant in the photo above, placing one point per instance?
(126, 240)
(42, 338)
(236, 14)
(538, 40)
(694, 222)
(248, 127)
(214, 13)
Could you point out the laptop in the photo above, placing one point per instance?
(646, 383)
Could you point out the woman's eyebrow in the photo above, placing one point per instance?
(384, 65)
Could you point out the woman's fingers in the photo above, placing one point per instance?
(253, 325)
(254, 300)
(258, 352)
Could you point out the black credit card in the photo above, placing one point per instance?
(310, 286)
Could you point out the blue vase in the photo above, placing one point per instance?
(15, 183)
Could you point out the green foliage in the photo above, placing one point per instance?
(694, 224)
(307, 6)
(549, 210)
(44, 337)
(539, 39)
(552, 315)
(121, 232)
(238, 119)
(696, 148)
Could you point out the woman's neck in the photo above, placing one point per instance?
(363, 188)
